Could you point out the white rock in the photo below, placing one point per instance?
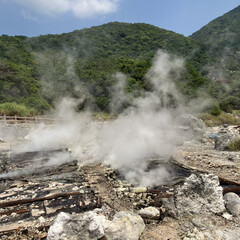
(41, 220)
(150, 213)
(90, 226)
(199, 193)
(232, 203)
(227, 216)
(125, 226)
(56, 231)
(139, 190)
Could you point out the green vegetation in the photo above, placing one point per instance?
(221, 38)
(12, 109)
(101, 116)
(99, 52)
(18, 81)
(215, 110)
(37, 72)
(234, 145)
(229, 104)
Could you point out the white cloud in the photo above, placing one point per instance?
(80, 8)
(26, 15)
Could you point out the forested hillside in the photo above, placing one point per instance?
(91, 57)
(83, 64)
(18, 75)
(222, 39)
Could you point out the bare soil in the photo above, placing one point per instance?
(74, 188)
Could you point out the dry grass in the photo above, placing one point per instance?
(234, 145)
(223, 118)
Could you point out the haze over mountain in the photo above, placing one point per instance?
(38, 71)
(222, 39)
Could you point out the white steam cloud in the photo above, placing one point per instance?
(147, 129)
(80, 8)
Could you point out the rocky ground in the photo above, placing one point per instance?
(191, 207)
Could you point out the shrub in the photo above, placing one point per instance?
(229, 104)
(12, 109)
(215, 110)
(234, 145)
(102, 116)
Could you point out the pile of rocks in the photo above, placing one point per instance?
(94, 226)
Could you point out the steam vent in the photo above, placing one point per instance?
(49, 194)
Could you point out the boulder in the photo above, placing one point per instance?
(150, 213)
(225, 137)
(199, 194)
(90, 226)
(232, 203)
(125, 226)
(86, 226)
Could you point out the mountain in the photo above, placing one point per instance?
(18, 75)
(51, 66)
(222, 40)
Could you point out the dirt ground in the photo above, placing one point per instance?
(75, 188)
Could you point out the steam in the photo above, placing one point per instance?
(55, 160)
(146, 129)
(120, 99)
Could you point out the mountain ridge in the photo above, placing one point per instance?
(90, 56)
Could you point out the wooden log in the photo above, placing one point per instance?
(20, 211)
(19, 228)
(31, 200)
(234, 189)
(224, 181)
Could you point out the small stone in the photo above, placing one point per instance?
(121, 189)
(41, 220)
(139, 190)
(36, 212)
(150, 213)
(227, 216)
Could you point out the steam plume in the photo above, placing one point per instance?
(146, 129)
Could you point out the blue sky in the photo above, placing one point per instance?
(38, 17)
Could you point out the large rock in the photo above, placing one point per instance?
(90, 226)
(84, 226)
(199, 194)
(225, 137)
(190, 128)
(232, 203)
(125, 226)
